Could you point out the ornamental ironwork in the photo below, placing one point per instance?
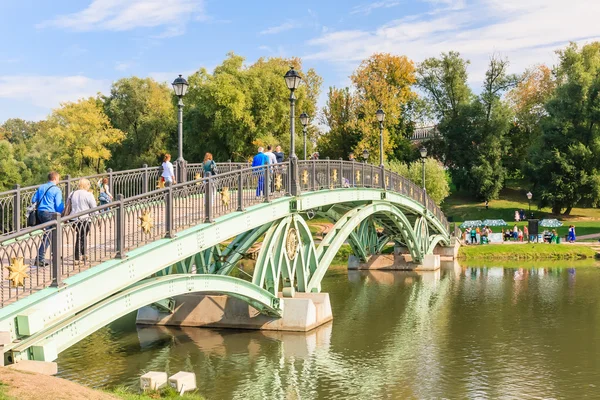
(17, 271)
(291, 243)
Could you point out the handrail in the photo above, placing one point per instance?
(14, 202)
(80, 241)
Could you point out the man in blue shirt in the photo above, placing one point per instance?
(50, 204)
(260, 159)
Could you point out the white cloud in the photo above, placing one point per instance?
(123, 15)
(526, 32)
(286, 26)
(366, 9)
(123, 65)
(49, 91)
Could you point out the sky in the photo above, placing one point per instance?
(63, 50)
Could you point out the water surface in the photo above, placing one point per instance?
(462, 332)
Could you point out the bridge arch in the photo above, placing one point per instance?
(152, 290)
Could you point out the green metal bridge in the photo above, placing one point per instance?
(151, 245)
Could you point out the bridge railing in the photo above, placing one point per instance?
(129, 183)
(77, 242)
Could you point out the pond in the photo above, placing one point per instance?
(461, 332)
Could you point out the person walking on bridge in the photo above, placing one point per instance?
(279, 154)
(259, 160)
(209, 166)
(82, 199)
(168, 173)
(50, 204)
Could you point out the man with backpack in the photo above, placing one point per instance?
(48, 201)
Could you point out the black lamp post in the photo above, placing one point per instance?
(423, 151)
(365, 155)
(304, 121)
(292, 80)
(380, 117)
(180, 86)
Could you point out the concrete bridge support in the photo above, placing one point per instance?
(301, 313)
(402, 260)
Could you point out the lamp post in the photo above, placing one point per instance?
(423, 151)
(304, 121)
(180, 86)
(380, 117)
(365, 155)
(292, 80)
(529, 197)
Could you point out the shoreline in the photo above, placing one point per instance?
(528, 251)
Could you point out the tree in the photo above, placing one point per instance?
(145, 111)
(12, 171)
(436, 177)
(339, 114)
(565, 162)
(473, 128)
(236, 108)
(527, 100)
(383, 81)
(79, 137)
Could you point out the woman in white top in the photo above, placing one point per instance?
(82, 199)
(168, 173)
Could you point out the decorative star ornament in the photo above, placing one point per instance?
(377, 179)
(357, 176)
(305, 177)
(146, 221)
(278, 182)
(334, 177)
(197, 177)
(225, 196)
(17, 271)
(160, 184)
(387, 181)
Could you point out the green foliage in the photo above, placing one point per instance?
(236, 108)
(78, 137)
(436, 177)
(12, 171)
(339, 115)
(474, 128)
(143, 109)
(565, 162)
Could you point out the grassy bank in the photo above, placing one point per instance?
(168, 393)
(461, 207)
(534, 251)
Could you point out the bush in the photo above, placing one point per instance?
(436, 177)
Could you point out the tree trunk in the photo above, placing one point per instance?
(556, 209)
(568, 211)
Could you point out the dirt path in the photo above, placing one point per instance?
(30, 386)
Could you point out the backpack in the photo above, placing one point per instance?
(32, 210)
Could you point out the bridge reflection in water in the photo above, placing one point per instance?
(472, 333)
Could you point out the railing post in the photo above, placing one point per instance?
(120, 227)
(328, 173)
(314, 175)
(17, 209)
(240, 190)
(57, 254)
(341, 172)
(267, 184)
(145, 166)
(383, 185)
(68, 187)
(293, 177)
(363, 175)
(353, 173)
(208, 201)
(110, 181)
(169, 213)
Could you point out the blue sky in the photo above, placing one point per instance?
(61, 50)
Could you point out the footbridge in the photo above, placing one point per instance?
(154, 243)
